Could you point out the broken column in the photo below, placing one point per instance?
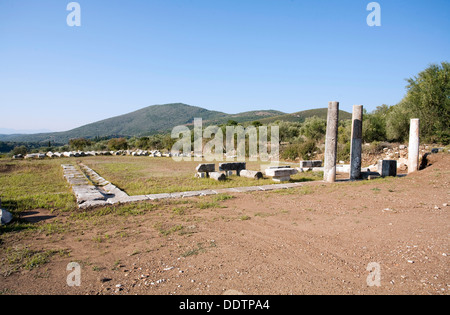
(251, 174)
(356, 145)
(329, 174)
(217, 176)
(413, 147)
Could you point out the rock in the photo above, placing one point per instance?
(104, 279)
(5, 217)
(402, 167)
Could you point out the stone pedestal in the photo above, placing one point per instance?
(281, 174)
(387, 168)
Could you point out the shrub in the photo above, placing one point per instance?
(118, 144)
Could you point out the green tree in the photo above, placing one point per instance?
(374, 124)
(257, 124)
(397, 122)
(428, 98)
(20, 150)
(79, 144)
(118, 144)
(314, 128)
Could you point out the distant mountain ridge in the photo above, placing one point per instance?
(160, 119)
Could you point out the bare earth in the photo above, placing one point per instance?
(316, 239)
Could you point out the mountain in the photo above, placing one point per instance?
(7, 131)
(147, 121)
(301, 116)
(161, 119)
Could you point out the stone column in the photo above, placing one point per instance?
(329, 174)
(413, 147)
(356, 145)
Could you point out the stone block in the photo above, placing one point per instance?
(208, 168)
(387, 168)
(281, 172)
(201, 175)
(237, 166)
(310, 164)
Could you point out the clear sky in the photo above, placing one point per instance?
(225, 55)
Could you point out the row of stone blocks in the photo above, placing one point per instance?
(278, 173)
(225, 169)
(89, 195)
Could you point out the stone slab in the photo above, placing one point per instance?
(206, 168)
(236, 166)
(310, 164)
(281, 172)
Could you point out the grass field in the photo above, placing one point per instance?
(27, 185)
(144, 176)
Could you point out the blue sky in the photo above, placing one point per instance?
(226, 55)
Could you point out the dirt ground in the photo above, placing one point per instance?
(316, 239)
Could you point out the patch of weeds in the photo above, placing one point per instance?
(207, 204)
(222, 197)
(54, 228)
(200, 249)
(101, 239)
(6, 291)
(132, 209)
(376, 189)
(167, 231)
(116, 265)
(180, 210)
(244, 218)
(25, 258)
(17, 226)
(97, 268)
